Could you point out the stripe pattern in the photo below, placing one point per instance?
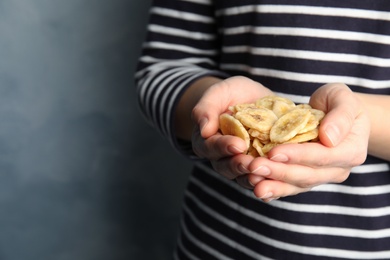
(217, 211)
(293, 47)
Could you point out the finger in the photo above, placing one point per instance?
(268, 190)
(232, 167)
(297, 175)
(249, 181)
(244, 182)
(217, 146)
(254, 179)
(316, 155)
(213, 103)
(341, 106)
(206, 115)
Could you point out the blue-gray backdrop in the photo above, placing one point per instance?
(82, 176)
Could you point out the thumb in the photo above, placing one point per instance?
(212, 103)
(206, 115)
(341, 108)
(332, 132)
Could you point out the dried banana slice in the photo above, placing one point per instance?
(271, 121)
(252, 151)
(311, 124)
(240, 107)
(258, 146)
(314, 120)
(263, 137)
(289, 125)
(281, 107)
(307, 106)
(319, 114)
(267, 147)
(260, 119)
(268, 101)
(301, 138)
(231, 126)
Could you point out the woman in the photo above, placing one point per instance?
(304, 201)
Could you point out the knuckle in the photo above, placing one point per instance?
(308, 183)
(282, 176)
(323, 161)
(361, 158)
(342, 177)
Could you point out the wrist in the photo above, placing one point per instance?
(377, 107)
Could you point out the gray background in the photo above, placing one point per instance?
(82, 176)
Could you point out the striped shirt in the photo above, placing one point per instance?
(292, 47)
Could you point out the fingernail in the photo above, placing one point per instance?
(267, 196)
(262, 170)
(279, 158)
(242, 168)
(271, 199)
(234, 150)
(250, 183)
(254, 179)
(333, 134)
(202, 123)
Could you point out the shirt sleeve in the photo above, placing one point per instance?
(181, 46)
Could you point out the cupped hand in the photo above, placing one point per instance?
(295, 168)
(224, 152)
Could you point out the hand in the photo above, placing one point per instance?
(296, 168)
(224, 152)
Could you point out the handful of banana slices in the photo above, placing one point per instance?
(270, 121)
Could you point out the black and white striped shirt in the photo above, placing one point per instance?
(292, 47)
